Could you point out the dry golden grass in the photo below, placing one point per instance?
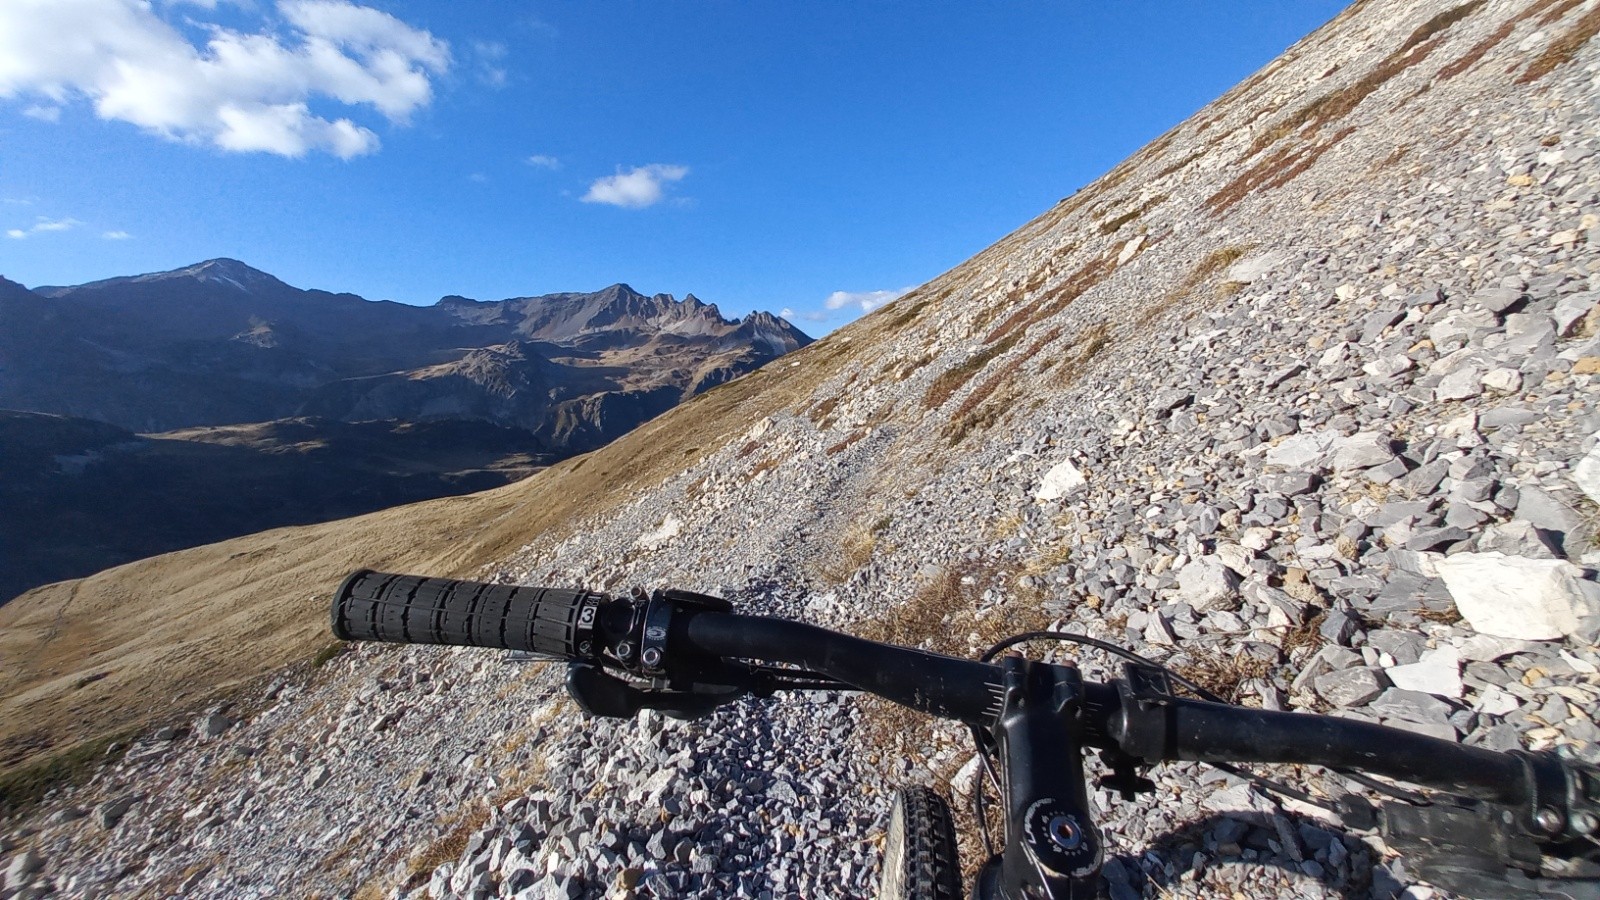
(1215, 261)
(447, 848)
(1275, 171)
(1057, 299)
(854, 550)
(1223, 673)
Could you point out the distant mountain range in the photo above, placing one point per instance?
(222, 343)
(162, 411)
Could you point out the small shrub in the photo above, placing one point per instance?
(952, 379)
(1224, 674)
(1440, 23)
(854, 551)
(327, 654)
(25, 786)
(1563, 48)
(1470, 58)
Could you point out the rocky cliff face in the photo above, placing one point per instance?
(1271, 401)
(221, 343)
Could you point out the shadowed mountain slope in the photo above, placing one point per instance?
(80, 496)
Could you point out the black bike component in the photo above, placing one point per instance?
(1124, 778)
(939, 685)
(1461, 845)
(373, 606)
(919, 852)
(601, 694)
(1036, 717)
(1052, 846)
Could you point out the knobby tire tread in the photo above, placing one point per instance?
(929, 867)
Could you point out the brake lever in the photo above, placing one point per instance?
(599, 693)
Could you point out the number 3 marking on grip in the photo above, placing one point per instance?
(586, 617)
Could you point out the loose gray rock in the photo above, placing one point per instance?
(1350, 687)
(1518, 537)
(1362, 450)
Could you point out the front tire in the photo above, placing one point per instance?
(919, 855)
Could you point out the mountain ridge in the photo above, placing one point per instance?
(219, 342)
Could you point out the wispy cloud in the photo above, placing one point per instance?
(116, 235)
(241, 92)
(42, 226)
(43, 113)
(866, 301)
(636, 188)
(489, 63)
(541, 161)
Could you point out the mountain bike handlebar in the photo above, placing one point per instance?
(687, 653)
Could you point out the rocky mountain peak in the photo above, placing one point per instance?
(212, 273)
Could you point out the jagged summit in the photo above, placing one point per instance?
(220, 342)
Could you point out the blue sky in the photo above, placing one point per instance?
(759, 154)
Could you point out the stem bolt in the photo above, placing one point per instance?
(1065, 833)
(1549, 819)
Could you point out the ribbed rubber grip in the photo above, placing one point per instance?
(409, 609)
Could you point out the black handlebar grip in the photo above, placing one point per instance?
(410, 609)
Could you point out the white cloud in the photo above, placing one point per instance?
(866, 300)
(240, 92)
(635, 188)
(43, 226)
(489, 63)
(116, 235)
(786, 313)
(540, 161)
(43, 113)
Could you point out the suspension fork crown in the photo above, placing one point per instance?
(1053, 849)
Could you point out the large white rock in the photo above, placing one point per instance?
(1515, 597)
(1587, 473)
(1255, 267)
(1208, 583)
(1437, 673)
(1060, 481)
(670, 528)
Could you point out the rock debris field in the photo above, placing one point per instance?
(1328, 445)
